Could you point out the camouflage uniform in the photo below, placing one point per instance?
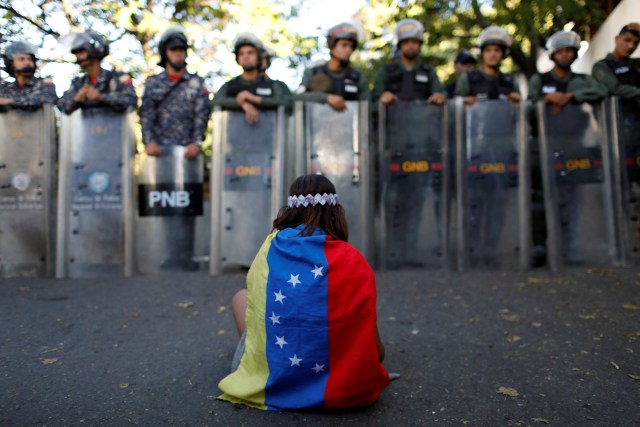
(116, 88)
(179, 117)
(33, 95)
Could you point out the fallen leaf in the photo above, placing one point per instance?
(536, 324)
(615, 365)
(221, 309)
(587, 316)
(540, 420)
(49, 361)
(133, 314)
(24, 289)
(186, 304)
(631, 306)
(511, 317)
(533, 280)
(507, 391)
(513, 338)
(221, 332)
(634, 377)
(124, 385)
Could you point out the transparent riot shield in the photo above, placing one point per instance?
(577, 186)
(27, 155)
(336, 144)
(170, 197)
(623, 131)
(95, 194)
(414, 183)
(246, 184)
(492, 183)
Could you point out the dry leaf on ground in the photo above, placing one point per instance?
(186, 304)
(507, 391)
(49, 361)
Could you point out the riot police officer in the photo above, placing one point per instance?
(408, 78)
(618, 71)
(98, 87)
(463, 62)
(561, 85)
(557, 87)
(26, 92)
(175, 112)
(335, 81)
(252, 90)
(489, 82)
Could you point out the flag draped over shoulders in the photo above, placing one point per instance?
(311, 327)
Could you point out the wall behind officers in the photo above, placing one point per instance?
(253, 89)
(489, 82)
(619, 72)
(408, 78)
(27, 92)
(335, 81)
(97, 87)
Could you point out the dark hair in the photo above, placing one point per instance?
(331, 219)
(632, 28)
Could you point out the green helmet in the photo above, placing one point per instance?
(408, 29)
(563, 39)
(342, 31)
(495, 36)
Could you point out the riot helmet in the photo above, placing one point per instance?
(267, 56)
(173, 37)
(95, 45)
(343, 31)
(495, 36)
(18, 48)
(563, 39)
(248, 39)
(408, 29)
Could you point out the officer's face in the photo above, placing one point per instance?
(22, 60)
(177, 55)
(460, 67)
(626, 44)
(343, 49)
(247, 56)
(82, 58)
(410, 48)
(564, 56)
(492, 55)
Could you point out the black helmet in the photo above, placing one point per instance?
(95, 44)
(17, 48)
(174, 36)
(343, 31)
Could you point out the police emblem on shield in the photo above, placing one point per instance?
(99, 182)
(20, 181)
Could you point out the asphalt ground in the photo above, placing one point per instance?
(476, 348)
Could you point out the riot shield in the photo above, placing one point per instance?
(27, 154)
(170, 197)
(247, 181)
(336, 144)
(577, 186)
(95, 195)
(492, 183)
(623, 132)
(414, 185)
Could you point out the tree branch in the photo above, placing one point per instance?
(29, 20)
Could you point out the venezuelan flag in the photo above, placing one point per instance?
(311, 327)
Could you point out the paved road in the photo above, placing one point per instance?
(150, 350)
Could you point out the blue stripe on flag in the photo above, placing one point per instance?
(297, 321)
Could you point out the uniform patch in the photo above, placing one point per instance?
(598, 73)
(21, 181)
(99, 182)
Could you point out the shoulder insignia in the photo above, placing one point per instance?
(48, 82)
(598, 73)
(125, 79)
(204, 89)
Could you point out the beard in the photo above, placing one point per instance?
(411, 55)
(249, 68)
(564, 65)
(27, 71)
(178, 65)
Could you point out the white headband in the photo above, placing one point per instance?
(304, 201)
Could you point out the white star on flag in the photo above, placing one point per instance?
(280, 341)
(295, 361)
(275, 319)
(294, 280)
(279, 297)
(318, 368)
(317, 271)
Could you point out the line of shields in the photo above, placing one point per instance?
(425, 186)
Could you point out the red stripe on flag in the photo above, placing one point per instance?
(356, 378)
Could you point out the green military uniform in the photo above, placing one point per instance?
(607, 70)
(583, 87)
(314, 89)
(382, 81)
(279, 95)
(464, 86)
